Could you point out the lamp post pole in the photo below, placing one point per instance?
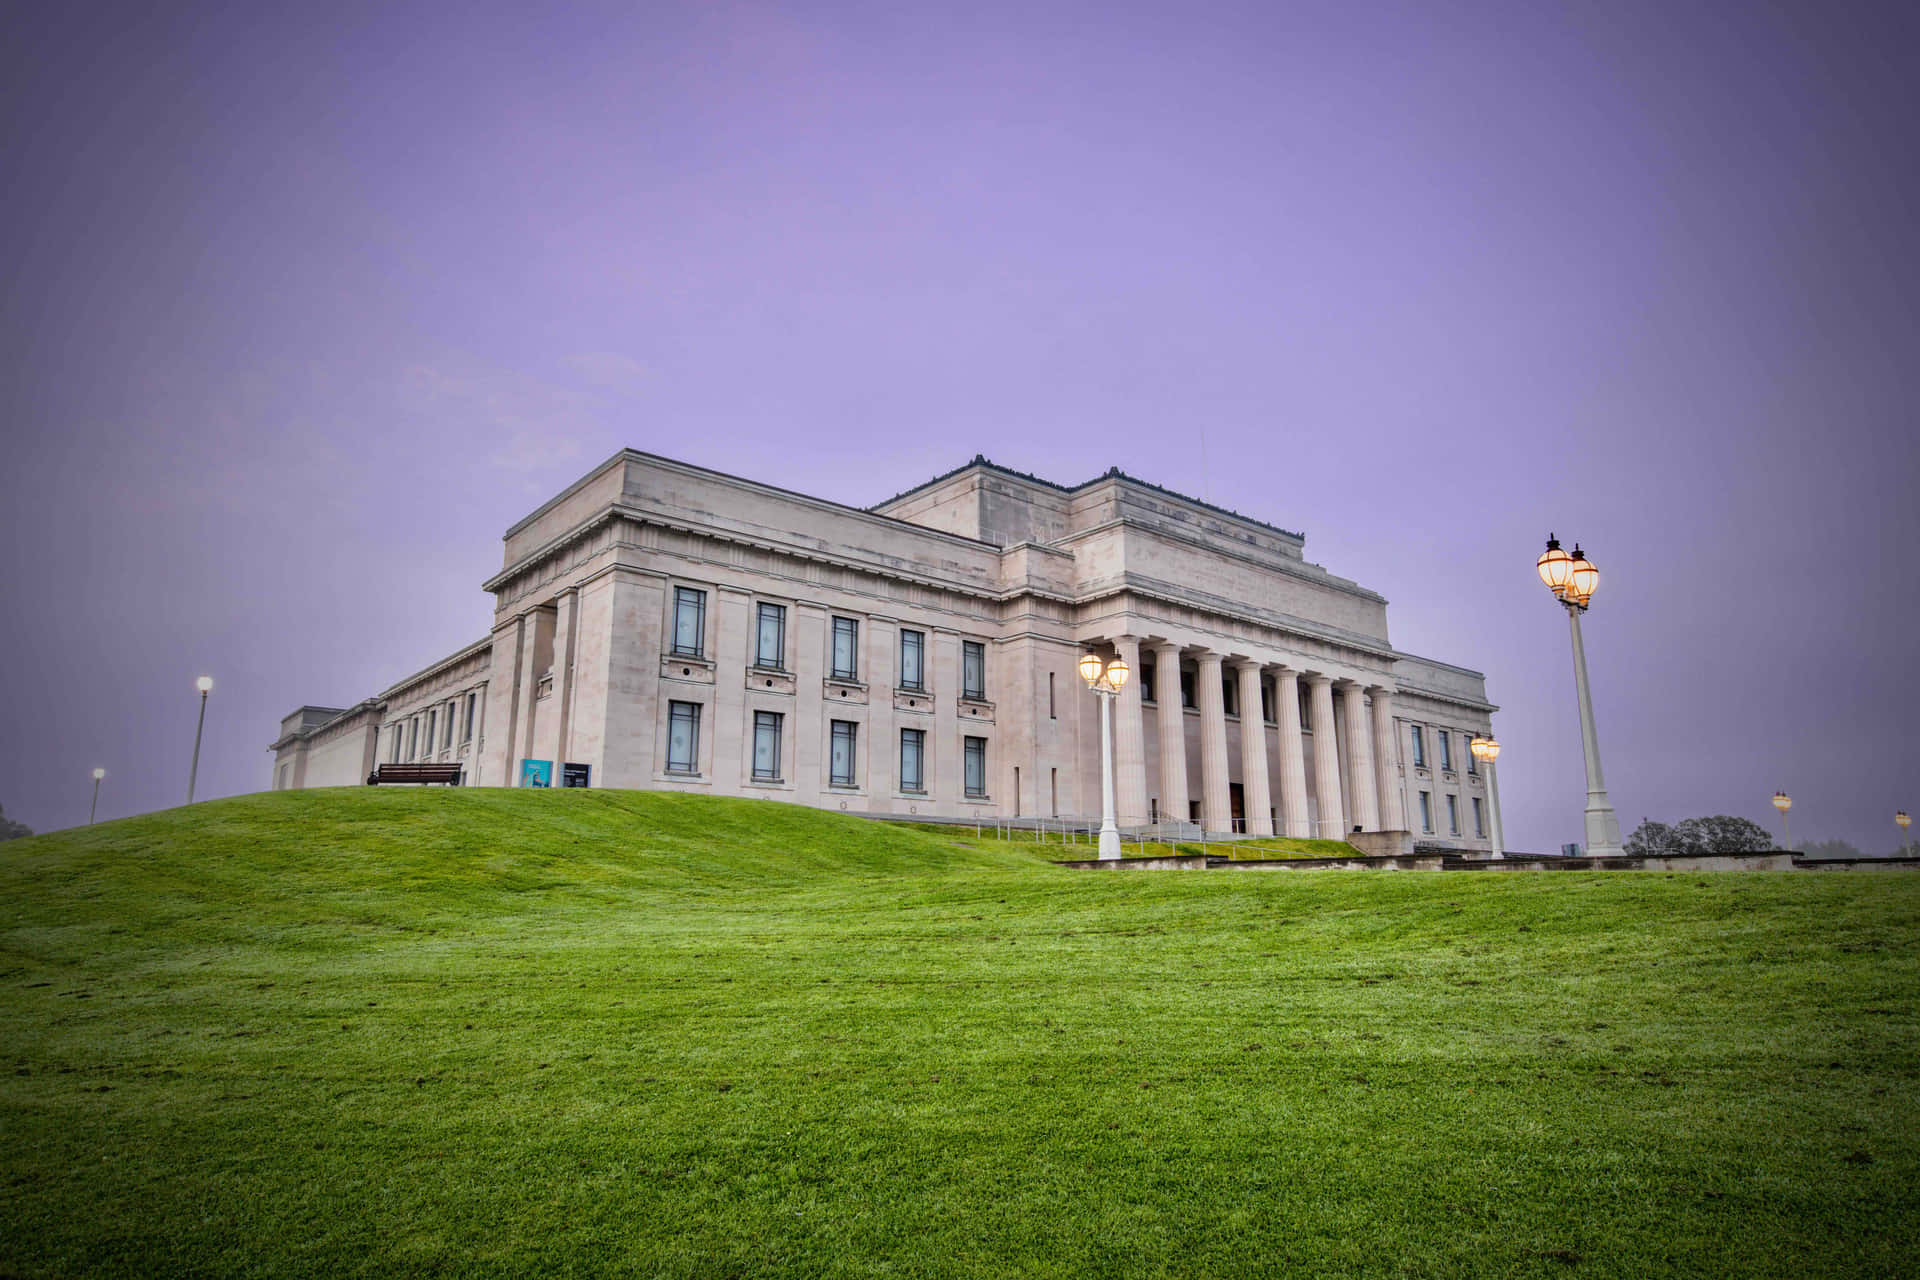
(1784, 802)
(1106, 680)
(205, 685)
(1572, 580)
(1901, 820)
(94, 808)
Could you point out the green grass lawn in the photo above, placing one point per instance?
(481, 1032)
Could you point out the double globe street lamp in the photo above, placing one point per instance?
(1486, 751)
(1106, 679)
(1783, 802)
(1572, 579)
(1901, 820)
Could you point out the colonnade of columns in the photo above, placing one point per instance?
(1370, 801)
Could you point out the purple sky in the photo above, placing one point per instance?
(303, 310)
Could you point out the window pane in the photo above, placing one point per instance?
(1453, 815)
(689, 619)
(1426, 811)
(1446, 748)
(911, 751)
(683, 736)
(766, 744)
(912, 675)
(846, 638)
(1419, 746)
(843, 742)
(1479, 817)
(773, 623)
(973, 669)
(1186, 689)
(976, 766)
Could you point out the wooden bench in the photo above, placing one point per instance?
(422, 773)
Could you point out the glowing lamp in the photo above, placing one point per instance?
(1900, 816)
(1582, 578)
(1090, 668)
(1117, 673)
(1555, 566)
(1485, 749)
(99, 774)
(204, 684)
(1782, 801)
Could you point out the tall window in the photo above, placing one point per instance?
(683, 737)
(689, 622)
(913, 660)
(973, 669)
(976, 766)
(1473, 761)
(1419, 747)
(393, 743)
(770, 641)
(1445, 740)
(473, 705)
(1051, 714)
(1186, 690)
(1479, 817)
(846, 649)
(1230, 696)
(413, 738)
(1266, 702)
(766, 746)
(1453, 815)
(1426, 811)
(446, 730)
(845, 739)
(433, 720)
(913, 759)
(1147, 670)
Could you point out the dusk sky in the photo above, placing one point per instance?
(304, 308)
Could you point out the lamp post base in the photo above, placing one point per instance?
(1603, 829)
(1109, 842)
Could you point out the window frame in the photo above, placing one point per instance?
(919, 647)
(768, 726)
(1479, 818)
(764, 611)
(1446, 748)
(1453, 814)
(692, 719)
(1426, 812)
(682, 597)
(973, 755)
(973, 662)
(918, 737)
(473, 705)
(1419, 747)
(852, 739)
(849, 627)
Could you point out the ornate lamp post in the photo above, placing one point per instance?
(1901, 820)
(95, 806)
(1106, 679)
(1572, 579)
(205, 685)
(1486, 751)
(1783, 802)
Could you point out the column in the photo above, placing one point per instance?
(1326, 758)
(1386, 761)
(1253, 751)
(1130, 740)
(1364, 801)
(1173, 733)
(1293, 755)
(1216, 805)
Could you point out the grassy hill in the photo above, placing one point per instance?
(486, 1032)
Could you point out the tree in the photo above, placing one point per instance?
(1828, 849)
(1722, 833)
(10, 830)
(1652, 839)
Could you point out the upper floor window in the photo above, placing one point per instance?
(1473, 761)
(446, 730)
(846, 649)
(413, 738)
(683, 737)
(689, 622)
(1419, 749)
(433, 721)
(770, 638)
(473, 705)
(766, 746)
(1445, 740)
(973, 669)
(913, 660)
(976, 766)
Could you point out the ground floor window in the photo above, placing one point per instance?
(1479, 817)
(845, 737)
(976, 766)
(1426, 812)
(913, 759)
(1453, 815)
(683, 737)
(766, 746)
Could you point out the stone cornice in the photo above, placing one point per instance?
(326, 727)
(396, 691)
(1300, 569)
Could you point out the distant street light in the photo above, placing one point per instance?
(1572, 579)
(1783, 802)
(205, 685)
(95, 807)
(1106, 679)
(1486, 751)
(1901, 819)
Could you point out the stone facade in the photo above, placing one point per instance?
(662, 625)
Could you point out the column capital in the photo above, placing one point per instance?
(1207, 657)
(1318, 678)
(1381, 690)
(1240, 662)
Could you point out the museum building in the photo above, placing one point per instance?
(661, 625)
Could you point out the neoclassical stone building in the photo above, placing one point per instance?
(661, 625)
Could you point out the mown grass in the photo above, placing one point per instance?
(1063, 845)
(411, 1032)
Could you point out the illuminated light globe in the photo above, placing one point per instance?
(99, 774)
(1583, 578)
(1782, 801)
(1485, 749)
(1901, 819)
(1556, 567)
(1090, 667)
(1117, 673)
(204, 684)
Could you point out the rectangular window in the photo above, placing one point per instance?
(913, 664)
(413, 739)
(433, 719)
(683, 737)
(393, 744)
(766, 746)
(1230, 696)
(1426, 812)
(1479, 817)
(1473, 761)
(689, 622)
(770, 642)
(1051, 714)
(473, 705)
(1306, 707)
(1266, 702)
(973, 669)
(1186, 690)
(846, 649)
(1445, 740)
(1419, 747)
(975, 754)
(446, 730)
(845, 739)
(1146, 681)
(913, 758)
(1453, 815)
